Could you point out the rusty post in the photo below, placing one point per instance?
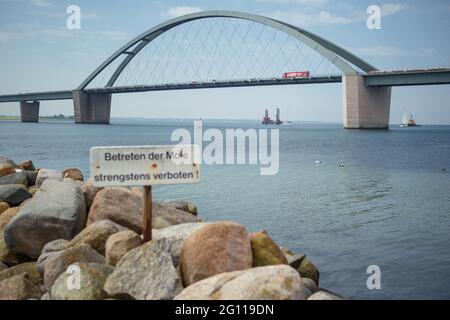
(147, 214)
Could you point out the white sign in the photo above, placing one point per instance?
(144, 165)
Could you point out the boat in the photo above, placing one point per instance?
(408, 122)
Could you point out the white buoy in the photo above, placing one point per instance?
(341, 165)
(318, 161)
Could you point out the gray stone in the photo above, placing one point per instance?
(57, 211)
(15, 178)
(175, 237)
(310, 284)
(120, 244)
(19, 287)
(295, 260)
(45, 174)
(14, 194)
(50, 250)
(31, 177)
(182, 205)
(46, 296)
(279, 282)
(324, 295)
(28, 268)
(3, 266)
(92, 279)
(145, 273)
(58, 263)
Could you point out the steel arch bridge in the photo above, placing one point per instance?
(366, 91)
(338, 56)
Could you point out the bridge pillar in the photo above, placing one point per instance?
(91, 107)
(29, 111)
(365, 107)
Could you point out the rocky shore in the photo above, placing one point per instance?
(63, 239)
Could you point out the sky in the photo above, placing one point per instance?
(39, 53)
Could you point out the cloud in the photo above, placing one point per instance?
(41, 3)
(4, 36)
(175, 12)
(303, 19)
(389, 9)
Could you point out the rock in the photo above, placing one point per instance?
(15, 178)
(119, 244)
(310, 285)
(3, 207)
(50, 250)
(295, 260)
(58, 263)
(96, 235)
(145, 273)
(119, 205)
(124, 207)
(92, 278)
(27, 165)
(215, 248)
(28, 268)
(3, 266)
(57, 211)
(6, 166)
(265, 251)
(176, 236)
(324, 295)
(19, 287)
(7, 216)
(186, 206)
(45, 174)
(163, 216)
(46, 296)
(31, 177)
(308, 270)
(9, 257)
(13, 194)
(73, 173)
(279, 282)
(90, 192)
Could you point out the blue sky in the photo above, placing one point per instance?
(38, 53)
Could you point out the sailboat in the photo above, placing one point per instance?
(408, 122)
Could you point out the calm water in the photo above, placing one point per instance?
(389, 205)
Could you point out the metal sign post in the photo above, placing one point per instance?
(147, 214)
(145, 166)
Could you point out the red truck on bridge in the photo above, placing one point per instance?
(296, 74)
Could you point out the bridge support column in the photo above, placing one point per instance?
(29, 111)
(365, 107)
(92, 107)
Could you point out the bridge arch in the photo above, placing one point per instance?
(338, 56)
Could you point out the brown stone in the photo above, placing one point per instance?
(27, 165)
(3, 207)
(28, 268)
(90, 192)
(119, 244)
(19, 287)
(6, 166)
(73, 173)
(265, 251)
(7, 216)
(215, 248)
(96, 235)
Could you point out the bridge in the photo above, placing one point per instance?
(224, 49)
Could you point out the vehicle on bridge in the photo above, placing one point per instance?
(296, 74)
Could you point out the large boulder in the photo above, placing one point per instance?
(96, 235)
(7, 216)
(119, 205)
(3, 207)
(73, 173)
(304, 267)
(90, 192)
(19, 287)
(182, 205)
(92, 277)
(57, 211)
(14, 194)
(279, 282)
(215, 248)
(163, 216)
(6, 255)
(265, 251)
(145, 273)
(58, 263)
(31, 177)
(119, 244)
(6, 166)
(175, 236)
(50, 174)
(15, 178)
(28, 268)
